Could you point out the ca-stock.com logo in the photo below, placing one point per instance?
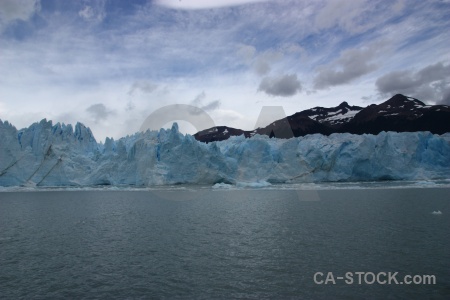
(201, 120)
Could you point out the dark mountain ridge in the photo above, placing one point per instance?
(400, 113)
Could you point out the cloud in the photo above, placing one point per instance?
(144, 86)
(355, 16)
(130, 106)
(11, 10)
(87, 12)
(246, 53)
(139, 49)
(202, 4)
(431, 83)
(99, 112)
(93, 10)
(446, 96)
(199, 99)
(210, 106)
(261, 63)
(396, 81)
(3, 109)
(351, 64)
(261, 67)
(90, 13)
(284, 85)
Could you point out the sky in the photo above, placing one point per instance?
(110, 64)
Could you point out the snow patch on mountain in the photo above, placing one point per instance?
(333, 116)
(342, 116)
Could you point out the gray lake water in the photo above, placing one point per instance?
(222, 244)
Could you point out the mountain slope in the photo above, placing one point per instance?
(399, 114)
(333, 116)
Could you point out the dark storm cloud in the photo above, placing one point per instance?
(351, 65)
(396, 81)
(431, 83)
(284, 85)
(99, 112)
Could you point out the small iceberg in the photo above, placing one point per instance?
(222, 185)
(436, 212)
(257, 184)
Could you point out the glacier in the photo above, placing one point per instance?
(62, 155)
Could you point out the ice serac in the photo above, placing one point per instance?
(46, 154)
(61, 155)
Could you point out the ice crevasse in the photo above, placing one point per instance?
(61, 155)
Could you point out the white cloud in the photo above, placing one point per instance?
(93, 12)
(203, 4)
(87, 12)
(340, 12)
(356, 16)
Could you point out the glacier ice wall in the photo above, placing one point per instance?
(60, 155)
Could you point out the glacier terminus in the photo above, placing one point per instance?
(47, 154)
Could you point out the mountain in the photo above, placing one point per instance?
(220, 133)
(400, 114)
(333, 116)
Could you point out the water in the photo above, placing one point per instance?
(203, 244)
